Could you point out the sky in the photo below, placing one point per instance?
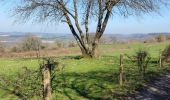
(135, 24)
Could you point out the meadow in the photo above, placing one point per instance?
(86, 78)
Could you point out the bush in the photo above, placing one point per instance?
(160, 38)
(28, 84)
(142, 60)
(30, 42)
(25, 85)
(166, 54)
(15, 49)
(168, 37)
(43, 47)
(59, 44)
(72, 44)
(2, 48)
(150, 40)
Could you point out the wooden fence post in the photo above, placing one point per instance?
(47, 81)
(160, 60)
(121, 75)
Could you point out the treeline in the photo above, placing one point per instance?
(31, 42)
(158, 38)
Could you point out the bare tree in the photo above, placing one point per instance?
(30, 42)
(78, 13)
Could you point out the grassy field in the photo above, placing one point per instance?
(85, 78)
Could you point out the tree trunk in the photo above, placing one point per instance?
(47, 82)
(95, 46)
(90, 53)
(85, 52)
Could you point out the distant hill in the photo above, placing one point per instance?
(12, 37)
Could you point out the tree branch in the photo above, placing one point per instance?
(81, 44)
(87, 20)
(77, 22)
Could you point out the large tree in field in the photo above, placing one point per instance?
(78, 13)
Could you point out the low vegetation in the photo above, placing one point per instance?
(83, 78)
(166, 54)
(98, 74)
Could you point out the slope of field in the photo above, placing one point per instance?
(89, 78)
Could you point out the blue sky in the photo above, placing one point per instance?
(145, 24)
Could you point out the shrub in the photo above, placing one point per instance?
(58, 44)
(160, 38)
(168, 37)
(25, 85)
(30, 42)
(72, 44)
(166, 54)
(15, 49)
(2, 48)
(150, 40)
(142, 60)
(43, 47)
(28, 84)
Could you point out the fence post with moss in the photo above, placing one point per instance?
(121, 72)
(47, 81)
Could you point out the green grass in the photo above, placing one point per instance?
(131, 48)
(89, 78)
(11, 66)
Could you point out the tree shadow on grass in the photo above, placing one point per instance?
(72, 57)
(92, 85)
(157, 88)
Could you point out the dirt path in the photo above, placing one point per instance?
(157, 89)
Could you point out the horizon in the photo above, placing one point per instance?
(1, 33)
